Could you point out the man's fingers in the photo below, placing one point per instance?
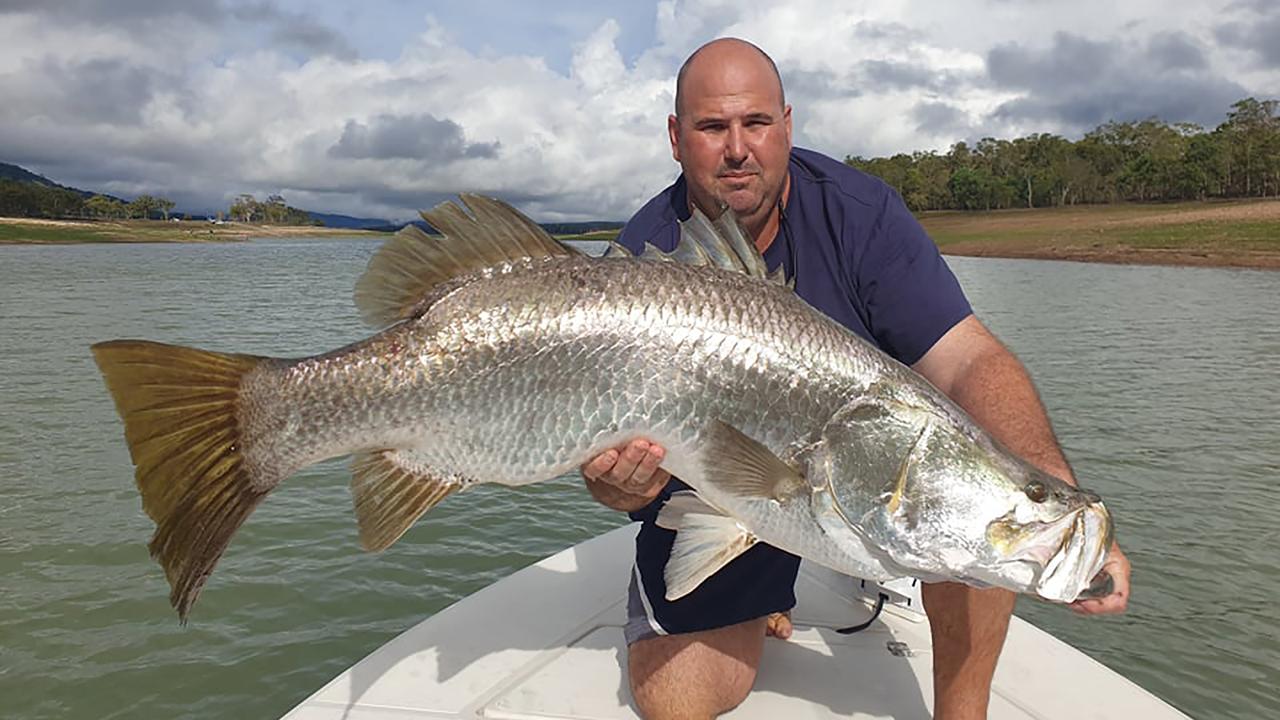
(649, 462)
(623, 473)
(600, 465)
(632, 468)
(1117, 566)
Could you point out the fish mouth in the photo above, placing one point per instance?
(1064, 554)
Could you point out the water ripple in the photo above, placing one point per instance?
(1163, 383)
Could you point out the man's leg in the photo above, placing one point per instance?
(697, 675)
(969, 626)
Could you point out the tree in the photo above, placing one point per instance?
(165, 206)
(1251, 132)
(142, 206)
(245, 208)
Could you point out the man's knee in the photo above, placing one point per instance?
(695, 675)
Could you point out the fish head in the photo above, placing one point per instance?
(1056, 533)
(945, 501)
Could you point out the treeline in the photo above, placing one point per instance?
(28, 199)
(1148, 160)
(272, 211)
(20, 198)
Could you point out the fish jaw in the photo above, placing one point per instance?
(1055, 560)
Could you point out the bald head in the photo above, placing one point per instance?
(722, 55)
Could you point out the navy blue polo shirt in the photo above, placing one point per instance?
(858, 255)
(861, 257)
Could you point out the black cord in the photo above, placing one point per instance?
(875, 613)
(791, 242)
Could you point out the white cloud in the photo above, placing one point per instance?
(204, 107)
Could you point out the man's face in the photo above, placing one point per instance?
(733, 138)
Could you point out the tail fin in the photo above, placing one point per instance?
(180, 408)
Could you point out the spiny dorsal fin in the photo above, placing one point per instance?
(409, 265)
(728, 228)
(698, 230)
(616, 249)
(721, 243)
(391, 490)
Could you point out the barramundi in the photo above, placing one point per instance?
(503, 356)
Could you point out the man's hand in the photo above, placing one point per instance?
(627, 478)
(1116, 565)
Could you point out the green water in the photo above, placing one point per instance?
(1164, 385)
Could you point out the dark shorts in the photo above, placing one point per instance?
(758, 582)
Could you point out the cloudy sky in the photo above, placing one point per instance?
(381, 107)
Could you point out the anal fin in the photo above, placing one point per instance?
(706, 541)
(391, 491)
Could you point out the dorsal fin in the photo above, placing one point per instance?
(721, 243)
(410, 264)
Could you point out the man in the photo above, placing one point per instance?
(858, 255)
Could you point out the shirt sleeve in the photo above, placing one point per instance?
(910, 294)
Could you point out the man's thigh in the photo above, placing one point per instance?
(695, 675)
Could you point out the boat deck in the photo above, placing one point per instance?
(547, 642)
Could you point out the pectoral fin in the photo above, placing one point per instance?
(705, 542)
(741, 466)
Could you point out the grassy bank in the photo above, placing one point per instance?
(1228, 234)
(44, 232)
(1225, 234)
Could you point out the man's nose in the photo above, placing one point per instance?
(735, 147)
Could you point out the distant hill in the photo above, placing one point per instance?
(355, 223)
(21, 174)
(15, 173)
(567, 228)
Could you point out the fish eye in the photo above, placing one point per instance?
(1036, 491)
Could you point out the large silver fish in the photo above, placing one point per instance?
(509, 358)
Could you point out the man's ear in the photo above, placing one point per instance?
(673, 132)
(786, 117)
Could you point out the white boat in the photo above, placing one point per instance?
(547, 642)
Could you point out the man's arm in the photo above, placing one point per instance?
(982, 376)
(969, 625)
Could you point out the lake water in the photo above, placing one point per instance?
(1164, 385)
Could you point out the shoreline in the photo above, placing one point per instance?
(1120, 255)
(40, 231)
(1225, 234)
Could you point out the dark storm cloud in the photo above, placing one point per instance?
(1259, 35)
(285, 29)
(868, 78)
(939, 118)
(415, 137)
(109, 91)
(1080, 83)
(1071, 60)
(899, 75)
(121, 12)
(295, 30)
(1176, 51)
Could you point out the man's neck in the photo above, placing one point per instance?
(766, 229)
